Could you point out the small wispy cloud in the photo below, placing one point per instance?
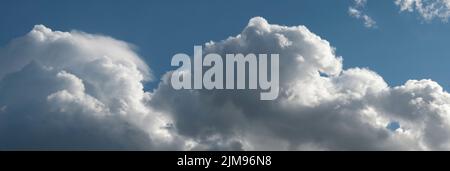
(427, 9)
(357, 11)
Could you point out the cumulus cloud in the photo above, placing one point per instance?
(73, 90)
(321, 105)
(357, 11)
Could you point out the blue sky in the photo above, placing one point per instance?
(402, 47)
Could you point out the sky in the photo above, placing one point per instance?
(401, 47)
(97, 75)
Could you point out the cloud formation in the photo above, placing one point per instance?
(357, 11)
(427, 9)
(321, 105)
(73, 90)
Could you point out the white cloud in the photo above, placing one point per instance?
(428, 9)
(357, 12)
(360, 3)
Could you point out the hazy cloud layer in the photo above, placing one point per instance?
(73, 90)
